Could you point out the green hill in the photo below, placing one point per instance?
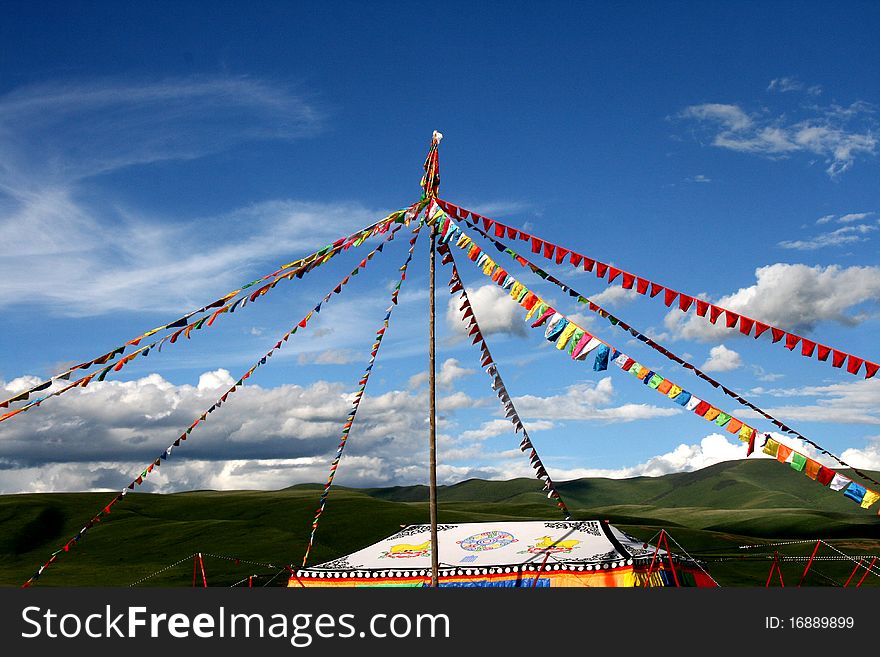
(710, 513)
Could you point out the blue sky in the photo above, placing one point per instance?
(154, 158)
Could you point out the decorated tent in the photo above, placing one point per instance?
(569, 553)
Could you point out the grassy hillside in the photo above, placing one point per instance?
(710, 513)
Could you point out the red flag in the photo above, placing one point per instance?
(656, 289)
(642, 285)
(751, 443)
(499, 230)
(823, 352)
(628, 280)
(511, 232)
(870, 369)
(684, 302)
(777, 333)
(613, 272)
(588, 263)
(487, 223)
(714, 313)
(536, 245)
(854, 364)
(760, 327)
(837, 358)
(702, 307)
(825, 475)
(745, 324)
(731, 319)
(669, 296)
(560, 254)
(548, 250)
(791, 341)
(575, 259)
(601, 268)
(807, 347)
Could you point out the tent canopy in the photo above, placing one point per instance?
(502, 553)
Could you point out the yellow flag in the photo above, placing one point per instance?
(869, 498)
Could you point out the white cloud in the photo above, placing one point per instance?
(857, 402)
(329, 357)
(498, 209)
(215, 380)
(450, 371)
(789, 84)
(722, 359)
(107, 254)
(854, 216)
(839, 237)
(867, 458)
(500, 427)
(141, 264)
(495, 311)
(825, 219)
(582, 401)
(794, 297)
(699, 178)
(58, 133)
(826, 133)
(614, 296)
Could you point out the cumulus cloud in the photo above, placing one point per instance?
(450, 371)
(866, 458)
(722, 359)
(495, 311)
(582, 401)
(794, 297)
(828, 132)
(134, 421)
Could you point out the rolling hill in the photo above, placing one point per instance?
(149, 539)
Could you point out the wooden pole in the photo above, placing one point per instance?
(431, 185)
(435, 567)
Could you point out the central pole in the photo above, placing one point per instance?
(431, 184)
(432, 502)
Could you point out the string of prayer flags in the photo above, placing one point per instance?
(139, 480)
(686, 303)
(453, 230)
(487, 362)
(835, 481)
(557, 330)
(346, 429)
(224, 304)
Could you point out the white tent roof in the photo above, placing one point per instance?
(497, 543)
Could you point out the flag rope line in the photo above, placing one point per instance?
(469, 318)
(593, 307)
(556, 253)
(380, 334)
(303, 266)
(206, 554)
(579, 343)
(203, 417)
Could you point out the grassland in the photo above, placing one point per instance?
(710, 513)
